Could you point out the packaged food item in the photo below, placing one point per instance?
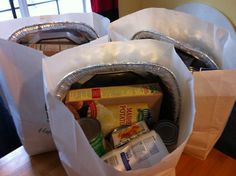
(123, 135)
(92, 130)
(73, 111)
(112, 92)
(52, 46)
(114, 116)
(144, 151)
(110, 116)
(117, 105)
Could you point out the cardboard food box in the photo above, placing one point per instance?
(117, 105)
(53, 46)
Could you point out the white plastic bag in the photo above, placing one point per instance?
(21, 76)
(75, 152)
(210, 86)
(208, 13)
(21, 80)
(198, 34)
(96, 21)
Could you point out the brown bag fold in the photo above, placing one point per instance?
(215, 94)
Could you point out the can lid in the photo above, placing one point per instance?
(168, 132)
(91, 128)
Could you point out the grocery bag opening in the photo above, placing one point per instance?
(194, 59)
(107, 92)
(102, 77)
(54, 37)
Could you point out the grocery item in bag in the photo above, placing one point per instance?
(168, 131)
(123, 135)
(112, 92)
(92, 130)
(117, 105)
(142, 152)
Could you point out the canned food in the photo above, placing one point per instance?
(92, 130)
(168, 132)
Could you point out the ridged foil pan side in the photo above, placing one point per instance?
(171, 104)
(81, 29)
(196, 54)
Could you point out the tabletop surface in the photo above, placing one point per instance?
(18, 163)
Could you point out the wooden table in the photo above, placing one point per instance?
(18, 163)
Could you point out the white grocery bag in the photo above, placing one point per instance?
(207, 13)
(96, 21)
(21, 76)
(75, 152)
(201, 35)
(21, 81)
(198, 34)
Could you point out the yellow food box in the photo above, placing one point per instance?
(117, 105)
(113, 92)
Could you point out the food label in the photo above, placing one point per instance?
(124, 135)
(146, 150)
(114, 116)
(112, 92)
(110, 116)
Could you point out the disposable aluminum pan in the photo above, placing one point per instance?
(194, 59)
(146, 73)
(78, 33)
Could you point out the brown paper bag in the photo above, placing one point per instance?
(215, 94)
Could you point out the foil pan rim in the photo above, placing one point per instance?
(20, 33)
(179, 45)
(64, 84)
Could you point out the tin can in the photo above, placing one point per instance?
(168, 130)
(93, 132)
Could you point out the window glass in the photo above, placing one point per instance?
(6, 15)
(16, 4)
(88, 6)
(18, 13)
(70, 6)
(49, 8)
(35, 1)
(4, 4)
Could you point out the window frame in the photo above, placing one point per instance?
(24, 7)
